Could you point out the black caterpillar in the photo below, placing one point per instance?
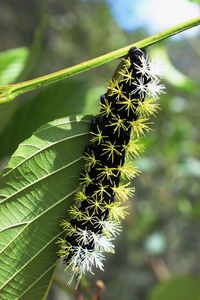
(124, 110)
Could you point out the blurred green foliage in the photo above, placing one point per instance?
(12, 63)
(179, 288)
(197, 1)
(161, 233)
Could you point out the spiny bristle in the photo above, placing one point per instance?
(128, 170)
(134, 148)
(117, 212)
(115, 135)
(128, 103)
(147, 108)
(90, 159)
(123, 192)
(140, 126)
(116, 89)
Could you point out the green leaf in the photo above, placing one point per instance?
(178, 288)
(57, 101)
(12, 63)
(197, 1)
(91, 100)
(170, 73)
(7, 111)
(36, 190)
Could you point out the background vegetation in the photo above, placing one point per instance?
(157, 254)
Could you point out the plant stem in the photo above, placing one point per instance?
(59, 282)
(9, 92)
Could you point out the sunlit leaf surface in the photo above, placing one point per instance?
(36, 189)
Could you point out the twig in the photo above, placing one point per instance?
(159, 268)
(98, 294)
(9, 92)
(61, 283)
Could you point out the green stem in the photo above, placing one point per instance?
(62, 284)
(9, 92)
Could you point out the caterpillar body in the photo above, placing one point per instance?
(124, 112)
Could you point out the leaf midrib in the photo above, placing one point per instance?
(13, 225)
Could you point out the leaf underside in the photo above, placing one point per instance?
(36, 190)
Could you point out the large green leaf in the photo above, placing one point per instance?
(36, 190)
(178, 288)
